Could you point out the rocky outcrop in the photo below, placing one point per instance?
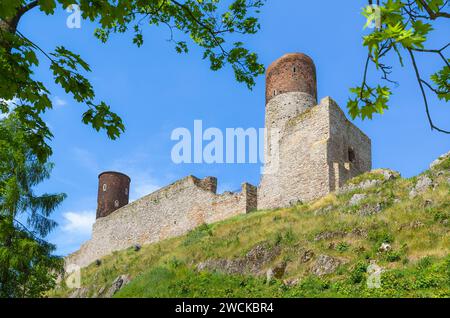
(325, 264)
(116, 285)
(357, 198)
(423, 184)
(328, 235)
(439, 160)
(386, 174)
(366, 184)
(276, 272)
(385, 247)
(370, 209)
(252, 263)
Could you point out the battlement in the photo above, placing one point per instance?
(168, 212)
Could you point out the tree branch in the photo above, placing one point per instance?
(22, 10)
(419, 80)
(433, 15)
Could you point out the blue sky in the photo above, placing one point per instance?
(156, 90)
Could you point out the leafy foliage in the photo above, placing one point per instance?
(400, 27)
(27, 267)
(209, 24)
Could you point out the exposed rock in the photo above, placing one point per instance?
(137, 247)
(279, 269)
(260, 255)
(117, 284)
(359, 232)
(370, 183)
(307, 256)
(79, 293)
(416, 224)
(439, 160)
(427, 203)
(324, 210)
(276, 272)
(325, 265)
(98, 262)
(356, 198)
(252, 263)
(291, 282)
(385, 247)
(423, 183)
(388, 174)
(101, 290)
(215, 265)
(366, 184)
(328, 235)
(370, 209)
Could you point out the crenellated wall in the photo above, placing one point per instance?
(171, 211)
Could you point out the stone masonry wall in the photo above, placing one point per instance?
(302, 173)
(349, 149)
(168, 212)
(314, 158)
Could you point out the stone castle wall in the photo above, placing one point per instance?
(349, 149)
(313, 155)
(168, 212)
(302, 172)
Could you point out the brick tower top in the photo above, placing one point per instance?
(293, 72)
(113, 192)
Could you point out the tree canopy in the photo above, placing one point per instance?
(400, 31)
(208, 24)
(27, 266)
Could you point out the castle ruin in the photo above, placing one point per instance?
(314, 151)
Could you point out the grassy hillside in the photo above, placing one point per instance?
(320, 249)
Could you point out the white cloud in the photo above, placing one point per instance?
(78, 222)
(59, 101)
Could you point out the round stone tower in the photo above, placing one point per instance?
(113, 192)
(293, 72)
(290, 88)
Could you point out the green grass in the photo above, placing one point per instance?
(418, 264)
(431, 280)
